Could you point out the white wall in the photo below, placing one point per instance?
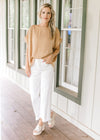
(87, 115)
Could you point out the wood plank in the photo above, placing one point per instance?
(18, 120)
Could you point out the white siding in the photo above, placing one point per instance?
(96, 102)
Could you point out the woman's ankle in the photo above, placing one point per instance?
(40, 122)
(51, 113)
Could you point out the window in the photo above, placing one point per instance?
(24, 26)
(71, 31)
(21, 14)
(10, 27)
(69, 80)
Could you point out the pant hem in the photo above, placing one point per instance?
(43, 119)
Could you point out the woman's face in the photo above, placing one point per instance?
(45, 15)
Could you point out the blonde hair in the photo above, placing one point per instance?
(51, 23)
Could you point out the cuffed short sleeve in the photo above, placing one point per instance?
(58, 38)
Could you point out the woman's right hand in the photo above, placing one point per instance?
(28, 71)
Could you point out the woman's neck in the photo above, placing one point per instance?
(43, 24)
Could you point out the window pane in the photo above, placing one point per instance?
(22, 48)
(24, 14)
(11, 22)
(70, 58)
(11, 12)
(11, 45)
(68, 75)
(67, 56)
(42, 2)
(72, 12)
(24, 26)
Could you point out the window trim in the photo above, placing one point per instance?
(76, 97)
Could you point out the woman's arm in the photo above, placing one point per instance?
(26, 62)
(56, 52)
(49, 59)
(27, 67)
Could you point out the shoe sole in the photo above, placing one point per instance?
(36, 134)
(52, 125)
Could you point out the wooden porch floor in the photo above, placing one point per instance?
(18, 120)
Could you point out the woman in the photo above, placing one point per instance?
(43, 45)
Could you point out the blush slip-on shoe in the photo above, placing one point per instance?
(39, 129)
(51, 122)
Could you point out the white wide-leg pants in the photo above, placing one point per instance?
(41, 87)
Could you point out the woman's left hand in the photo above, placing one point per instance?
(48, 59)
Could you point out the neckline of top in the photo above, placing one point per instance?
(42, 27)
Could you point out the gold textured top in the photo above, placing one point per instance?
(40, 44)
